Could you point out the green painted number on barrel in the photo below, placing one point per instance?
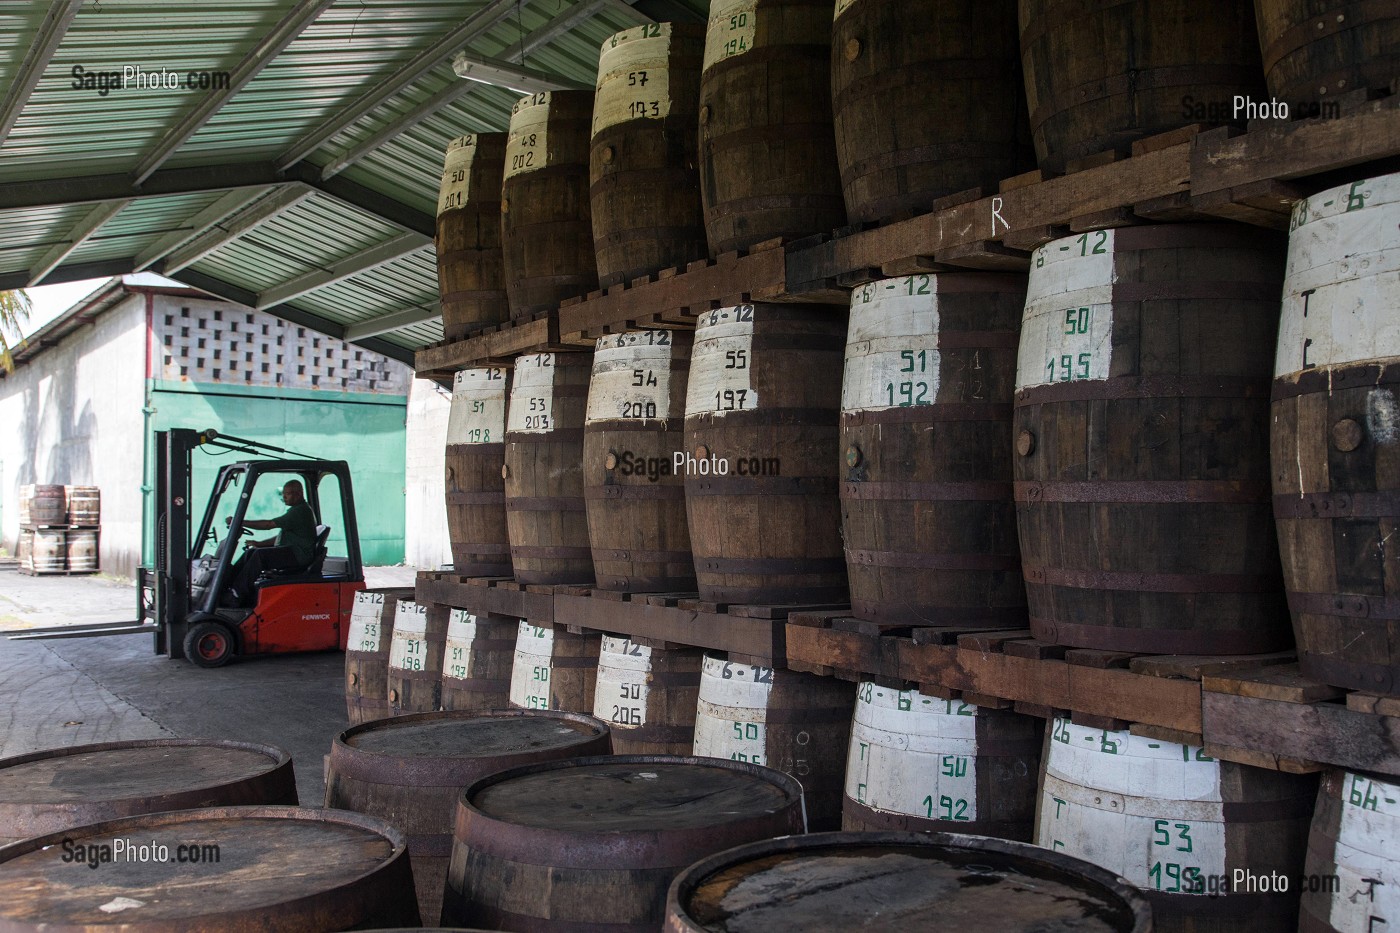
(954, 766)
(948, 808)
(916, 285)
(1162, 835)
(907, 394)
(1174, 878)
(1098, 246)
(1362, 796)
(745, 731)
(1077, 320)
(914, 361)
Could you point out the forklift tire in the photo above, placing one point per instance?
(209, 644)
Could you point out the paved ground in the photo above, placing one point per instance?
(59, 692)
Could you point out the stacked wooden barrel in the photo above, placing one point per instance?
(554, 669)
(1353, 869)
(414, 677)
(760, 456)
(476, 452)
(1177, 824)
(367, 653)
(647, 695)
(1316, 52)
(477, 661)
(918, 763)
(1336, 435)
(635, 498)
(927, 514)
(644, 184)
(545, 512)
(546, 224)
(1141, 427)
(767, 153)
(84, 505)
(470, 276)
(44, 504)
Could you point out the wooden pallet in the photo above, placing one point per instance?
(498, 344)
(31, 572)
(482, 595)
(1280, 719)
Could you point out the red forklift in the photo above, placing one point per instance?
(187, 598)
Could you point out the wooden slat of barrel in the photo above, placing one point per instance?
(471, 278)
(1141, 430)
(554, 668)
(26, 500)
(767, 150)
(1336, 434)
(1351, 851)
(546, 222)
(84, 505)
(367, 653)
(56, 789)
(890, 62)
(921, 764)
(479, 658)
(927, 514)
(1314, 52)
(643, 181)
(634, 497)
(80, 547)
(414, 676)
(476, 451)
(50, 550)
(761, 400)
(593, 843)
(265, 868)
(647, 696)
(1101, 75)
(797, 723)
(889, 882)
(1177, 824)
(545, 513)
(24, 550)
(410, 770)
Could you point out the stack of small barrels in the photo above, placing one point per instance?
(59, 528)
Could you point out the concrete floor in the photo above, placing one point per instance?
(59, 692)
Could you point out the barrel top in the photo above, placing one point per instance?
(600, 796)
(843, 881)
(476, 736)
(126, 770)
(263, 858)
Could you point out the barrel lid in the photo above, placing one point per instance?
(900, 882)
(264, 857)
(472, 734)
(113, 771)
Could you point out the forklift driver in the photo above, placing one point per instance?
(291, 549)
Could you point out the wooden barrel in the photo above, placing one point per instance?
(761, 455)
(554, 669)
(921, 764)
(471, 278)
(24, 550)
(43, 505)
(1336, 435)
(1351, 880)
(643, 181)
(545, 513)
(927, 513)
(767, 153)
(1177, 824)
(891, 882)
(56, 789)
(80, 548)
(797, 723)
(220, 869)
(593, 843)
(1141, 437)
(476, 452)
(414, 676)
(546, 224)
(1314, 52)
(1099, 76)
(84, 505)
(928, 101)
(634, 496)
(50, 550)
(410, 770)
(647, 696)
(367, 653)
(479, 658)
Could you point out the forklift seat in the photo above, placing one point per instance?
(312, 569)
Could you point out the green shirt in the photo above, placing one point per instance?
(297, 530)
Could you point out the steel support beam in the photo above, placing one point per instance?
(227, 205)
(392, 322)
(498, 73)
(73, 272)
(363, 261)
(41, 51)
(475, 25)
(259, 57)
(264, 210)
(76, 237)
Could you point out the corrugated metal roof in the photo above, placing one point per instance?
(72, 148)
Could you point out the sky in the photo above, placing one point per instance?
(49, 301)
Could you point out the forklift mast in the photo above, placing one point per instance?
(170, 604)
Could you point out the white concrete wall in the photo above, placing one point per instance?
(74, 416)
(427, 546)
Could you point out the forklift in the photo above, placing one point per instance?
(187, 598)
